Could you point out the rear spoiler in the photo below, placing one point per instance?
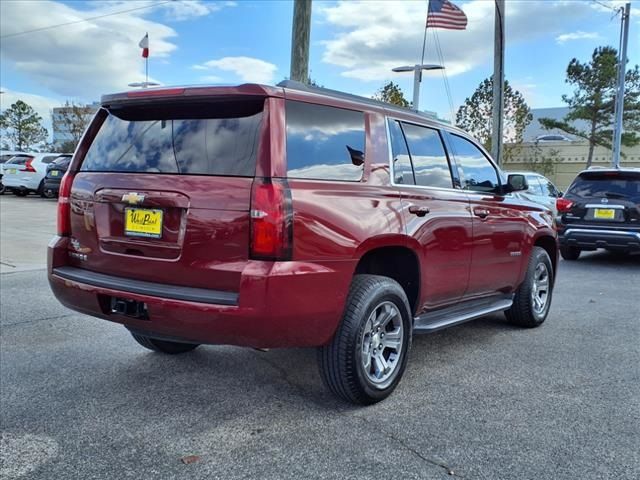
(187, 93)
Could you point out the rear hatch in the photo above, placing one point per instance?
(608, 199)
(15, 169)
(163, 192)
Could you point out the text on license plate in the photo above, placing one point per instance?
(143, 222)
(604, 213)
(54, 173)
(11, 171)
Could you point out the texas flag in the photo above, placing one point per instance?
(144, 45)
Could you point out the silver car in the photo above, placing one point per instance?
(541, 190)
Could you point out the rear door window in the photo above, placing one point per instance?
(49, 158)
(534, 185)
(206, 139)
(324, 143)
(477, 173)
(429, 159)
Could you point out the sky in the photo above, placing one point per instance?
(69, 54)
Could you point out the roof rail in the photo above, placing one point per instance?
(294, 85)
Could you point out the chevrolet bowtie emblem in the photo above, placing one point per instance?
(133, 198)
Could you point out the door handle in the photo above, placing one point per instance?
(419, 211)
(481, 212)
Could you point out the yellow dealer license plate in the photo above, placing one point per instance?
(604, 213)
(143, 222)
(54, 173)
(11, 171)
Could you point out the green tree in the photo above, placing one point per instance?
(22, 127)
(391, 93)
(474, 116)
(593, 101)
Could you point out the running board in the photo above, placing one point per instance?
(463, 312)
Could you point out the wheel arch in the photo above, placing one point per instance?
(396, 261)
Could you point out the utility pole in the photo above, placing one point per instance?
(300, 34)
(498, 83)
(622, 68)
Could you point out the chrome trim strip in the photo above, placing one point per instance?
(578, 231)
(604, 206)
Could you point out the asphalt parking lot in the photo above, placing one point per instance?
(81, 400)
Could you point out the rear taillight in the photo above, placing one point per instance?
(271, 220)
(64, 205)
(563, 205)
(28, 167)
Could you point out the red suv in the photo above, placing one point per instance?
(292, 216)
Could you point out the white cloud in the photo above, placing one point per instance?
(42, 105)
(86, 59)
(374, 36)
(247, 69)
(579, 35)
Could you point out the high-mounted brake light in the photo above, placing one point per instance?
(64, 205)
(271, 220)
(27, 166)
(160, 92)
(563, 205)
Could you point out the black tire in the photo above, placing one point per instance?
(21, 193)
(163, 346)
(341, 367)
(570, 253)
(48, 193)
(524, 312)
(2, 189)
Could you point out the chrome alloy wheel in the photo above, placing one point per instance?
(540, 289)
(381, 344)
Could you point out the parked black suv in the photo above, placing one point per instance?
(601, 209)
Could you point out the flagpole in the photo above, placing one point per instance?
(146, 72)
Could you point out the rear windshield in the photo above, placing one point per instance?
(203, 139)
(607, 184)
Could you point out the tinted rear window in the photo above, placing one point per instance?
(324, 143)
(611, 185)
(204, 139)
(49, 159)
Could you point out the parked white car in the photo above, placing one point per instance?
(5, 155)
(25, 172)
(541, 190)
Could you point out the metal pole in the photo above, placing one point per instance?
(146, 72)
(498, 83)
(622, 67)
(300, 35)
(417, 73)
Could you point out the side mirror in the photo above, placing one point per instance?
(516, 183)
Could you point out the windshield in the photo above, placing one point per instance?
(209, 139)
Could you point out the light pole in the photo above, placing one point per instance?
(417, 78)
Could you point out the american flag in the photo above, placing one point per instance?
(444, 14)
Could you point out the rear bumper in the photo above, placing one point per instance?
(279, 304)
(28, 181)
(52, 184)
(592, 238)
